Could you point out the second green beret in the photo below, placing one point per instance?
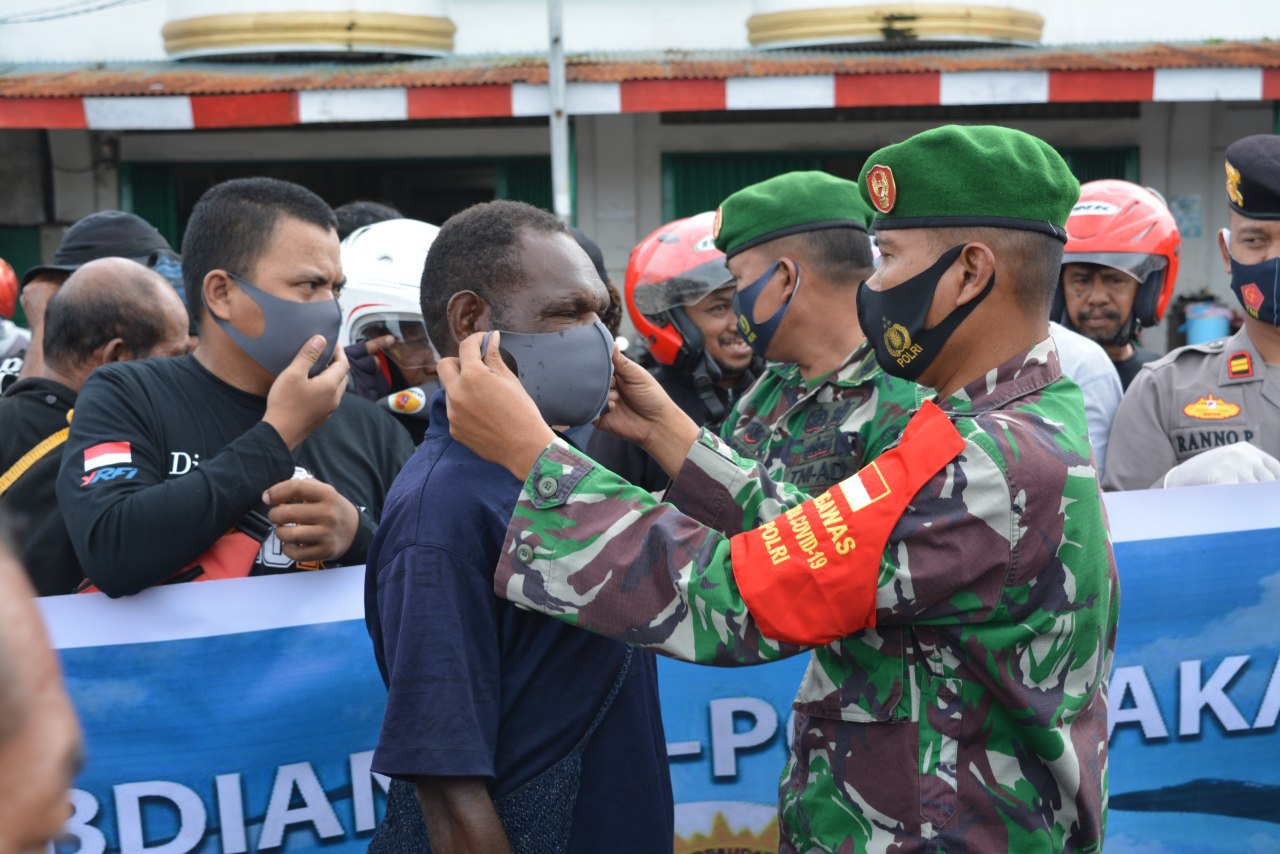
(787, 204)
(970, 176)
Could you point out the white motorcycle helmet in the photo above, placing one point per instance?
(383, 265)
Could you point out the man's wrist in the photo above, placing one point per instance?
(671, 439)
(523, 455)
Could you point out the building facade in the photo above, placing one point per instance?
(435, 105)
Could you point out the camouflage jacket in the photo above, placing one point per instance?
(974, 716)
(813, 434)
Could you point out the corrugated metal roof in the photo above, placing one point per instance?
(209, 78)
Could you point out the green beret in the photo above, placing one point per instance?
(970, 176)
(1253, 176)
(787, 204)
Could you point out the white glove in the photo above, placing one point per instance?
(1238, 463)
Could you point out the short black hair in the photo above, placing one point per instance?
(1035, 260)
(358, 214)
(838, 254)
(232, 225)
(78, 322)
(478, 250)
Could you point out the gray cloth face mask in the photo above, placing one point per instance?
(287, 325)
(567, 373)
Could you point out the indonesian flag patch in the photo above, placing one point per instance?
(107, 454)
(810, 576)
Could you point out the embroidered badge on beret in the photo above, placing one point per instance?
(1233, 184)
(883, 190)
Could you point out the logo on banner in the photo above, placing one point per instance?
(1210, 408)
(107, 454)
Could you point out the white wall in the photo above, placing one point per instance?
(132, 31)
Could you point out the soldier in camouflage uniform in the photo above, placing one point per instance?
(823, 407)
(976, 720)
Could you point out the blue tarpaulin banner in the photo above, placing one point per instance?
(241, 715)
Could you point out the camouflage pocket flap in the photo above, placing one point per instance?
(860, 678)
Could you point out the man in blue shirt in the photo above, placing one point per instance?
(518, 733)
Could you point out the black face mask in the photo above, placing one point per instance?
(893, 319)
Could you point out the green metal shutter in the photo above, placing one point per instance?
(692, 183)
(525, 179)
(147, 190)
(1094, 164)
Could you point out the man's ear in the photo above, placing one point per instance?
(790, 272)
(113, 351)
(1224, 235)
(977, 264)
(468, 314)
(217, 293)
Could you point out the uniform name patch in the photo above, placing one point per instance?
(810, 575)
(1210, 408)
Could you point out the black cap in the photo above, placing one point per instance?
(106, 234)
(1253, 176)
(593, 252)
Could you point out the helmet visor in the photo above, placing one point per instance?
(685, 289)
(1140, 265)
(412, 347)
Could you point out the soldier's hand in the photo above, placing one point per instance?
(1238, 463)
(297, 404)
(640, 411)
(313, 522)
(489, 411)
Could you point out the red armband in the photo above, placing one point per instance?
(810, 576)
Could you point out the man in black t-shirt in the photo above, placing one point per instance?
(245, 457)
(109, 310)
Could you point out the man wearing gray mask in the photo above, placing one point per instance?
(244, 458)
(514, 732)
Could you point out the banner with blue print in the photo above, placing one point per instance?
(241, 715)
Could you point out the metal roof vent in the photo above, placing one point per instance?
(779, 24)
(297, 29)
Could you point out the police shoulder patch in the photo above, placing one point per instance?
(1240, 365)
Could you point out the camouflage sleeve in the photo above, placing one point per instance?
(726, 491)
(592, 550)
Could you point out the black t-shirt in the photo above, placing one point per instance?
(164, 458)
(31, 411)
(480, 687)
(629, 461)
(1128, 368)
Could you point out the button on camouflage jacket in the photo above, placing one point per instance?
(973, 717)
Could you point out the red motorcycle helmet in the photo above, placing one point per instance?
(1129, 228)
(675, 266)
(8, 290)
